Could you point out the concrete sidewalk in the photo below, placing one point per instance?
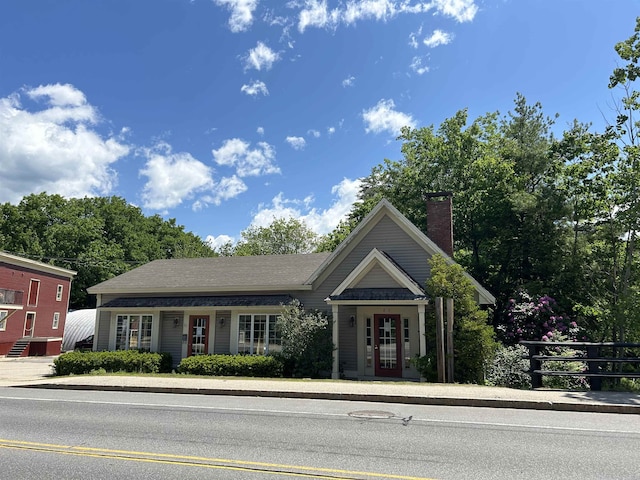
(35, 372)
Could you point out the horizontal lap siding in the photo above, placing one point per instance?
(171, 335)
(386, 236)
(104, 327)
(222, 332)
(377, 277)
(348, 338)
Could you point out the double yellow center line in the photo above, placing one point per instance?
(202, 462)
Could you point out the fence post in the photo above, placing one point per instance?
(534, 364)
(595, 383)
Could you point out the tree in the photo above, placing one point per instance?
(625, 186)
(307, 346)
(282, 236)
(474, 342)
(98, 237)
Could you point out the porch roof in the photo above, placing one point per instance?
(377, 294)
(195, 301)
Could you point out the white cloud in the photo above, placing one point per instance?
(383, 117)
(413, 37)
(59, 95)
(321, 221)
(297, 143)
(438, 37)
(316, 13)
(461, 10)
(219, 241)
(172, 178)
(55, 148)
(331, 130)
(314, 133)
(241, 13)
(418, 67)
(261, 57)
(366, 9)
(349, 81)
(226, 189)
(260, 131)
(255, 88)
(237, 153)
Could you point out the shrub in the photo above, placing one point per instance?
(133, 361)
(307, 346)
(473, 337)
(526, 318)
(509, 368)
(232, 365)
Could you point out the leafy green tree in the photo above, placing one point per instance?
(282, 236)
(307, 347)
(473, 339)
(97, 237)
(625, 187)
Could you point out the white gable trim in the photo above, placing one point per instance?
(376, 257)
(384, 207)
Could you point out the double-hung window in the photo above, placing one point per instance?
(258, 334)
(133, 332)
(3, 320)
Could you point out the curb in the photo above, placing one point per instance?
(358, 397)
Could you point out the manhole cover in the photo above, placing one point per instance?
(372, 414)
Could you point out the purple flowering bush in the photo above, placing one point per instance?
(529, 318)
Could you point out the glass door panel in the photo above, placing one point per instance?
(198, 334)
(387, 346)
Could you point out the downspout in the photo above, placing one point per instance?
(335, 373)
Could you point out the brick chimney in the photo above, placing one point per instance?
(440, 220)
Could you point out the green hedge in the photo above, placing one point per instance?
(232, 365)
(79, 363)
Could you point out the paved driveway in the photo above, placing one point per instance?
(15, 371)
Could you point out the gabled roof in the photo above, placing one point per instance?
(382, 209)
(217, 274)
(374, 258)
(34, 265)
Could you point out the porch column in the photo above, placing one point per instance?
(423, 338)
(335, 373)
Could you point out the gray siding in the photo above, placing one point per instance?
(348, 339)
(102, 335)
(171, 335)
(387, 236)
(222, 332)
(377, 277)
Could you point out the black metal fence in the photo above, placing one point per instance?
(601, 360)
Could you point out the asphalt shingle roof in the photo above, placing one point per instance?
(204, 301)
(217, 273)
(374, 294)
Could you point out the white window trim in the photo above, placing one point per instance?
(251, 342)
(37, 282)
(59, 292)
(4, 314)
(114, 328)
(56, 320)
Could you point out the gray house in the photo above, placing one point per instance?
(372, 284)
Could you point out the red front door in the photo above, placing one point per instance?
(198, 335)
(388, 350)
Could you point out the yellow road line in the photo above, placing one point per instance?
(193, 461)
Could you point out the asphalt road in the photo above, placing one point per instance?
(94, 435)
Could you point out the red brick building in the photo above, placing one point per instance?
(34, 298)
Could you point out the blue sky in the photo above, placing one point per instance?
(226, 113)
